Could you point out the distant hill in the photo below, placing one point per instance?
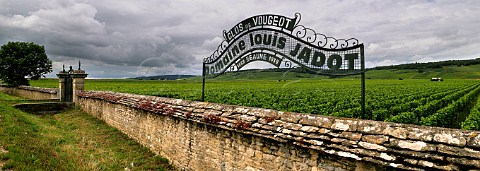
(431, 65)
(164, 77)
(452, 69)
(450, 72)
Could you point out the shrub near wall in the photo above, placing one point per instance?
(209, 136)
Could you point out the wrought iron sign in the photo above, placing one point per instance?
(283, 42)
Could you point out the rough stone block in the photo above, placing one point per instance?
(227, 114)
(300, 166)
(215, 106)
(395, 131)
(309, 120)
(425, 163)
(411, 161)
(242, 110)
(348, 155)
(229, 108)
(316, 136)
(268, 157)
(323, 131)
(309, 129)
(371, 146)
(278, 123)
(200, 105)
(416, 154)
(286, 131)
(385, 156)
(436, 165)
(315, 142)
(465, 161)
(248, 118)
(188, 109)
(344, 142)
(212, 112)
(293, 126)
(291, 117)
(262, 121)
(338, 140)
(198, 110)
(376, 139)
(257, 125)
(299, 133)
(458, 151)
(318, 121)
(333, 134)
(474, 139)
(453, 138)
(250, 152)
(351, 135)
(266, 132)
(373, 160)
(345, 125)
(365, 152)
(412, 145)
(371, 127)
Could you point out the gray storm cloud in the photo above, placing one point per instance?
(145, 37)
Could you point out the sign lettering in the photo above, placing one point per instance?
(275, 38)
(259, 21)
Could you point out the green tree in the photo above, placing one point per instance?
(19, 60)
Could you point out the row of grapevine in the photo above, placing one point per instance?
(445, 117)
(405, 101)
(435, 104)
(472, 121)
(404, 107)
(408, 106)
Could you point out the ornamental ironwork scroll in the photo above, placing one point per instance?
(278, 39)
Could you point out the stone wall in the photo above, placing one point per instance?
(208, 136)
(35, 93)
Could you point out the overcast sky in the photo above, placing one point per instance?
(124, 38)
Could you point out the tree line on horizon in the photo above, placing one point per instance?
(430, 65)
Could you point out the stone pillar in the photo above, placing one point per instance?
(78, 77)
(62, 78)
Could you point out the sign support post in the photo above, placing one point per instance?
(203, 82)
(362, 56)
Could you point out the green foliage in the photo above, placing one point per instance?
(472, 122)
(447, 116)
(404, 117)
(23, 59)
(403, 101)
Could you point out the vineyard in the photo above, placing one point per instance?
(451, 103)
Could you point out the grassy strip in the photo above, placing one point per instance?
(72, 140)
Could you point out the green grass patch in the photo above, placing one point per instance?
(72, 140)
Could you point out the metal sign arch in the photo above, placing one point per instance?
(276, 39)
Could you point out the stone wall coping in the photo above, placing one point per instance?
(39, 89)
(396, 145)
